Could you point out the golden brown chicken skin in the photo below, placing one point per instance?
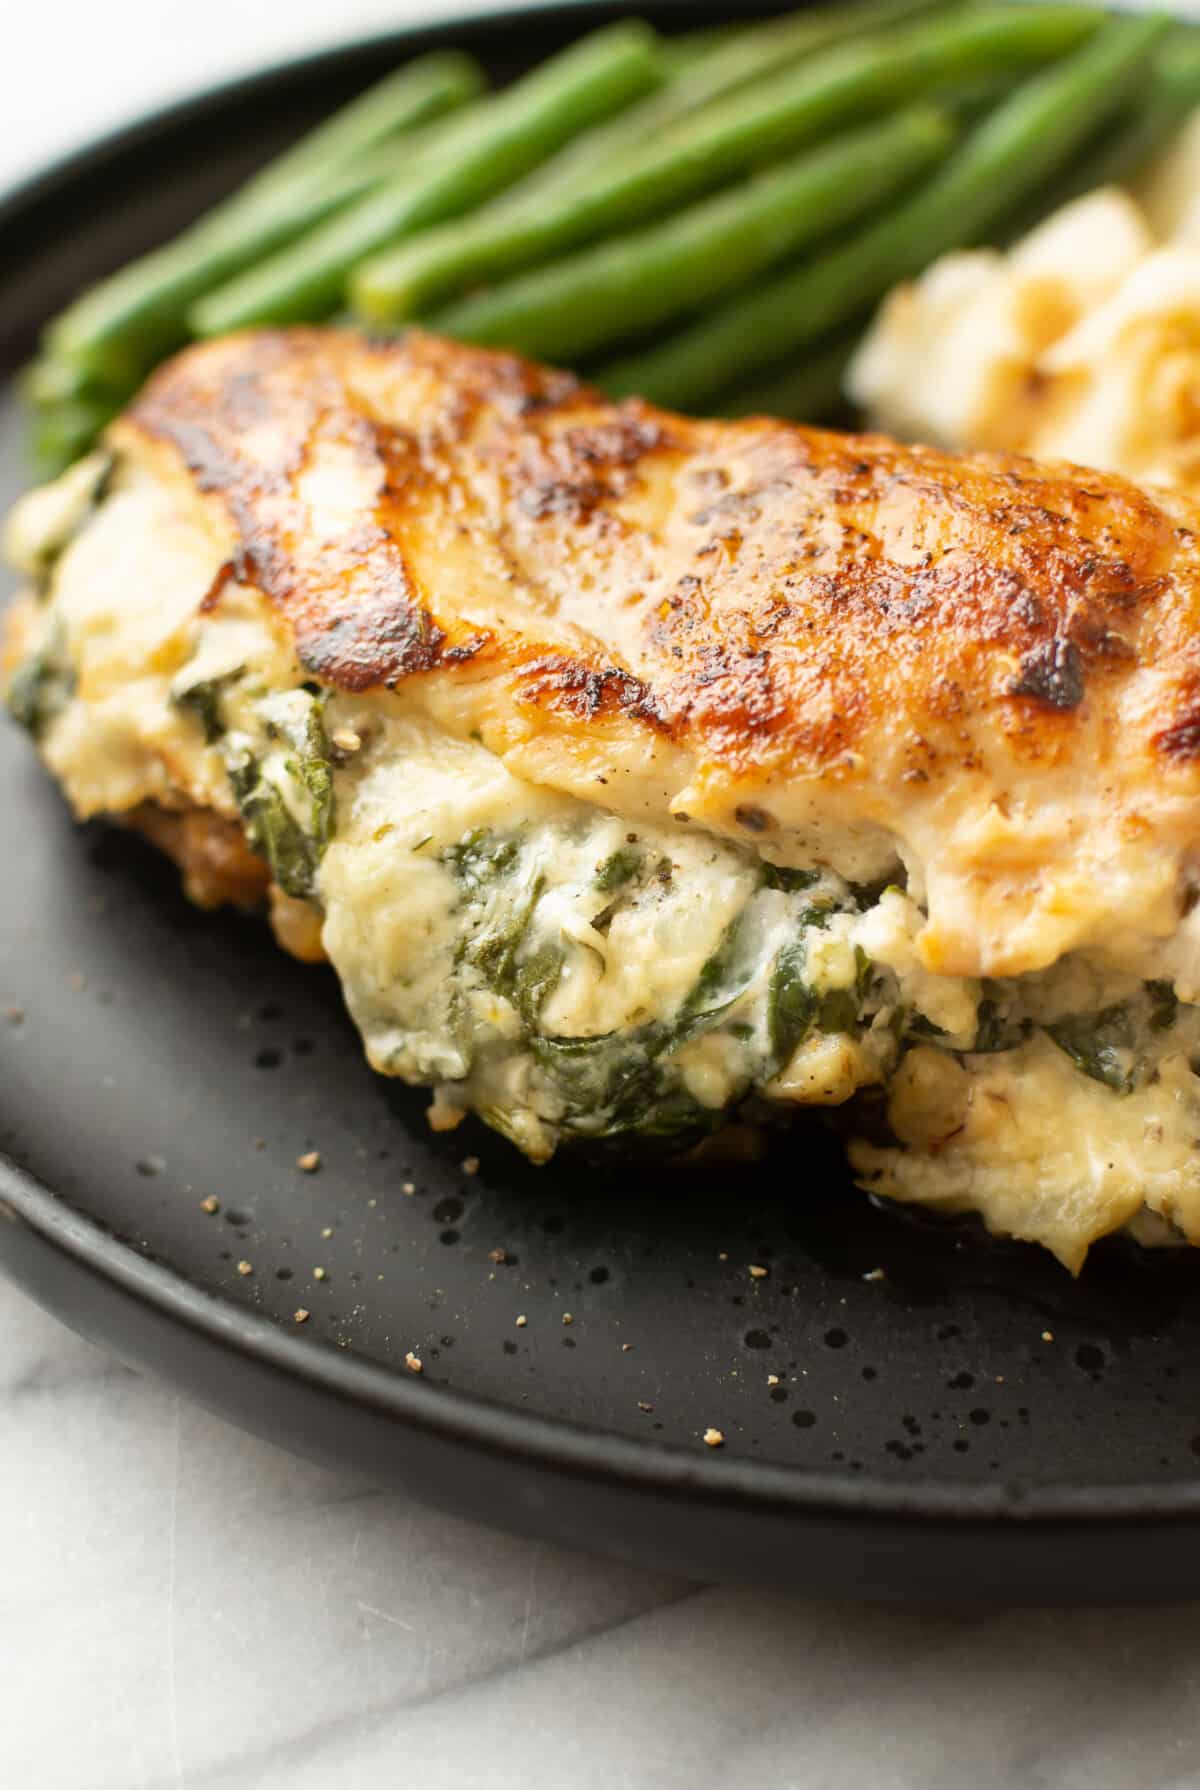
(807, 640)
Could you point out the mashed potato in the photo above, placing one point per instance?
(1081, 342)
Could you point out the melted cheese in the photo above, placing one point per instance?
(1043, 1152)
(399, 929)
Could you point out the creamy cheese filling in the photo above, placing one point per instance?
(566, 974)
(571, 972)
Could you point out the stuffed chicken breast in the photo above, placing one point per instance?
(638, 773)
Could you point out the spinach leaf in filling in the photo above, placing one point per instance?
(630, 1080)
(1113, 1046)
(203, 699)
(1164, 1006)
(287, 801)
(795, 1007)
(484, 865)
(41, 686)
(1100, 1044)
(619, 868)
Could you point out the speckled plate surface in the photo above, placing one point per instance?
(906, 1409)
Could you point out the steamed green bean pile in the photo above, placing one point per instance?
(705, 219)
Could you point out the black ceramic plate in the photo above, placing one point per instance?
(970, 1422)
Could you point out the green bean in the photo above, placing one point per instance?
(64, 432)
(1119, 154)
(747, 54)
(46, 382)
(808, 391)
(120, 327)
(629, 285)
(752, 126)
(508, 235)
(517, 130)
(1010, 155)
(70, 407)
(400, 101)
(972, 100)
(684, 48)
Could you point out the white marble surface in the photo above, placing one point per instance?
(182, 1606)
(185, 1608)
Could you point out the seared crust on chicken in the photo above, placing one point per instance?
(988, 667)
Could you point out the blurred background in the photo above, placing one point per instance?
(75, 69)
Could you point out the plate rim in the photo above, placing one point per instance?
(597, 1454)
(704, 1475)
